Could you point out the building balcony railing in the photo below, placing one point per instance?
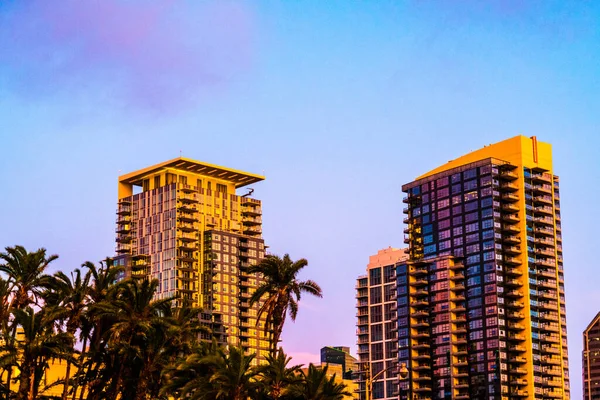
(513, 272)
(511, 239)
(512, 261)
(513, 283)
(544, 221)
(508, 228)
(516, 338)
(518, 305)
(513, 250)
(516, 327)
(511, 218)
(517, 360)
(542, 177)
(542, 189)
(509, 197)
(545, 231)
(510, 207)
(508, 187)
(542, 200)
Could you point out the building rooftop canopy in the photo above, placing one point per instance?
(239, 178)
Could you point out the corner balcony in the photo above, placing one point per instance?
(507, 175)
(416, 271)
(543, 177)
(512, 283)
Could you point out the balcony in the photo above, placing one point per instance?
(512, 261)
(510, 208)
(544, 189)
(511, 239)
(513, 283)
(519, 393)
(457, 287)
(416, 271)
(515, 315)
(251, 221)
(519, 382)
(519, 371)
(511, 218)
(548, 221)
(123, 248)
(544, 210)
(517, 360)
(252, 211)
(516, 338)
(516, 327)
(515, 305)
(544, 231)
(508, 175)
(419, 282)
(543, 177)
(252, 231)
(513, 272)
(513, 250)
(189, 217)
(547, 200)
(421, 346)
(457, 276)
(422, 323)
(508, 187)
(422, 356)
(511, 228)
(509, 197)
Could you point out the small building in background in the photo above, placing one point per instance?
(591, 360)
(340, 355)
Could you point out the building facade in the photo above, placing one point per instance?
(377, 325)
(481, 304)
(182, 223)
(340, 355)
(591, 360)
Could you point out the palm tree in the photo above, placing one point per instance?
(71, 295)
(318, 386)
(233, 377)
(25, 273)
(94, 328)
(25, 283)
(188, 378)
(276, 378)
(281, 292)
(39, 343)
(213, 373)
(138, 322)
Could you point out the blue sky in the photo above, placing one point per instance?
(339, 103)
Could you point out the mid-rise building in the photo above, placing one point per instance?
(481, 304)
(340, 355)
(377, 325)
(182, 222)
(591, 360)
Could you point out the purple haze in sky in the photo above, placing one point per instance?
(159, 54)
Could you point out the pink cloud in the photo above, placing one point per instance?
(151, 54)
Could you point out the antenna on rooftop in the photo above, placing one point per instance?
(250, 191)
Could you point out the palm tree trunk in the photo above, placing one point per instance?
(81, 363)
(66, 384)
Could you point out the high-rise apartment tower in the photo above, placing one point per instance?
(182, 223)
(591, 360)
(484, 236)
(377, 324)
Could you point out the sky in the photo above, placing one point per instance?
(337, 103)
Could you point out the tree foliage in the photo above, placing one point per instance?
(119, 342)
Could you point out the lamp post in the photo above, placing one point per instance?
(402, 375)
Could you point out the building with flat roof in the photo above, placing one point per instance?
(182, 222)
(591, 360)
(377, 327)
(481, 304)
(340, 355)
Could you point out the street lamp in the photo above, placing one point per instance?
(402, 375)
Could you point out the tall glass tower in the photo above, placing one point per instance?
(484, 233)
